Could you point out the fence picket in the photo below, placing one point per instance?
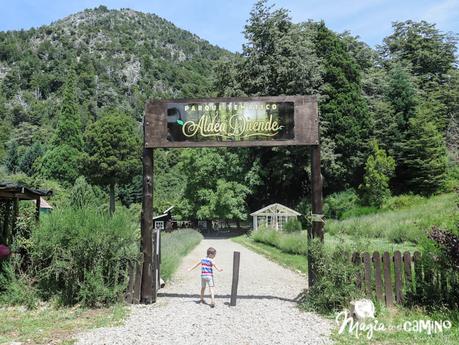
(138, 282)
(378, 279)
(367, 273)
(388, 280)
(407, 268)
(357, 261)
(398, 276)
(131, 275)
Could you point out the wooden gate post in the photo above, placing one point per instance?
(148, 292)
(316, 230)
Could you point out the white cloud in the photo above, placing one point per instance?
(443, 12)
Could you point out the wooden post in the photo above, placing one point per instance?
(236, 261)
(316, 206)
(148, 292)
(37, 209)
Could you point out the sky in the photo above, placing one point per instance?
(221, 22)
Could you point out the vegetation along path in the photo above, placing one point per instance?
(266, 311)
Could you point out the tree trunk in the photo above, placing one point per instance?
(112, 199)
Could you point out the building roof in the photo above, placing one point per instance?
(10, 191)
(165, 213)
(275, 209)
(44, 204)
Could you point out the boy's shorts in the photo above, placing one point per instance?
(207, 280)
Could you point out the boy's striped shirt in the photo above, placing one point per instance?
(206, 267)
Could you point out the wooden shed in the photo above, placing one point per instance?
(164, 221)
(10, 195)
(273, 216)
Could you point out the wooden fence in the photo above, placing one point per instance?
(391, 278)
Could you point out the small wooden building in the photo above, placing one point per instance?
(164, 221)
(273, 216)
(10, 195)
(45, 207)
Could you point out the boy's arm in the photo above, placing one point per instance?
(192, 268)
(218, 269)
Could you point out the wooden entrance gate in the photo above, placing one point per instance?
(224, 122)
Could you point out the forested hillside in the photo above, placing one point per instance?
(389, 116)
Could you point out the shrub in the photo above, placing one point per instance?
(292, 225)
(83, 194)
(402, 201)
(338, 203)
(359, 211)
(335, 284)
(379, 168)
(81, 255)
(16, 289)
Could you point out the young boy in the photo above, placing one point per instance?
(207, 274)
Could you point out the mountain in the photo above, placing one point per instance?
(122, 58)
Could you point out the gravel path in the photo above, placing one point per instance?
(266, 311)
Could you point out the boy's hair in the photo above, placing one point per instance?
(211, 251)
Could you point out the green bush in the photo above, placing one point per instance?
(16, 289)
(335, 284)
(338, 203)
(359, 211)
(293, 225)
(174, 246)
(402, 201)
(81, 255)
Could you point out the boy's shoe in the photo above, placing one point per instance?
(201, 301)
(212, 305)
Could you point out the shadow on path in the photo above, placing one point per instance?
(180, 295)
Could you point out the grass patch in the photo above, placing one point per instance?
(399, 316)
(401, 225)
(297, 242)
(47, 324)
(295, 262)
(174, 246)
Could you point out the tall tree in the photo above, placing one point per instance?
(423, 155)
(62, 160)
(112, 151)
(343, 106)
(68, 130)
(278, 58)
(430, 51)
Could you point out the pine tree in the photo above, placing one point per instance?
(68, 129)
(62, 160)
(379, 168)
(401, 92)
(423, 155)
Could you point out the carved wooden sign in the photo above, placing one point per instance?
(237, 121)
